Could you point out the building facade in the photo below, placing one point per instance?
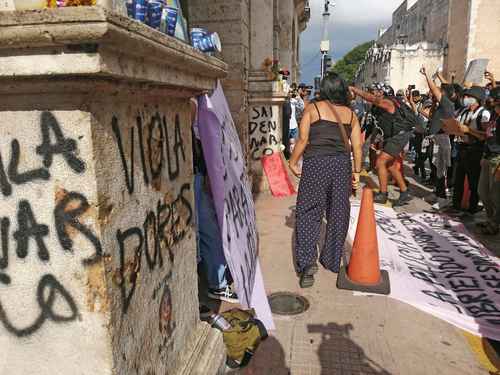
(440, 34)
(253, 31)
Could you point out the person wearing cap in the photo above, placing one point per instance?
(473, 123)
(395, 140)
(489, 181)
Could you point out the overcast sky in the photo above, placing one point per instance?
(352, 22)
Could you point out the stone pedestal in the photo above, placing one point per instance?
(264, 125)
(98, 256)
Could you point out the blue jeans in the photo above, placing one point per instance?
(208, 237)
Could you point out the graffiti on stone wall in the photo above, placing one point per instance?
(153, 138)
(23, 235)
(166, 224)
(264, 131)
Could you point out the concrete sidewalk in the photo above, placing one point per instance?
(345, 334)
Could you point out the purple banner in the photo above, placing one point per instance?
(233, 200)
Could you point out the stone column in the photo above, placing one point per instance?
(265, 96)
(230, 19)
(261, 32)
(287, 35)
(98, 265)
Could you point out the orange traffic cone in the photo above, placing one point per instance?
(363, 273)
(466, 195)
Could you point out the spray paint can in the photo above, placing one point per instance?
(218, 321)
(210, 43)
(169, 20)
(154, 14)
(140, 9)
(196, 34)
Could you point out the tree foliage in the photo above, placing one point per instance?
(348, 65)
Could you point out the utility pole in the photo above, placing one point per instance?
(326, 60)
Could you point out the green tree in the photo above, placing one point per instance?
(348, 65)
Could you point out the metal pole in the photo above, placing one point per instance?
(325, 42)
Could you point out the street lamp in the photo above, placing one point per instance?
(325, 41)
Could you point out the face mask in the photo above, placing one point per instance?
(469, 102)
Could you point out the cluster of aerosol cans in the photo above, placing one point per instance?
(166, 16)
(163, 15)
(205, 41)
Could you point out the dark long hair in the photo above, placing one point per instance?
(335, 89)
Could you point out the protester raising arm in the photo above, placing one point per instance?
(436, 92)
(441, 78)
(379, 101)
(413, 106)
(491, 78)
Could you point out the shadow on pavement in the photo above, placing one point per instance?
(268, 360)
(339, 354)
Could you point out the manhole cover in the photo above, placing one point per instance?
(286, 303)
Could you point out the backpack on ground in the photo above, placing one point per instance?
(243, 338)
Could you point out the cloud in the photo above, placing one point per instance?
(352, 22)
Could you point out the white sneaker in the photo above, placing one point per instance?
(225, 294)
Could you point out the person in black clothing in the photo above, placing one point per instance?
(327, 177)
(444, 108)
(423, 113)
(474, 120)
(285, 129)
(396, 138)
(489, 182)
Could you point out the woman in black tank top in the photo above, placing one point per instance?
(328, 134)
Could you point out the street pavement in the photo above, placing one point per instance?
(342, 333)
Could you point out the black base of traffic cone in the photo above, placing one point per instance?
(383, 287)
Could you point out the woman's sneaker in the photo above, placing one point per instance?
(225, 294)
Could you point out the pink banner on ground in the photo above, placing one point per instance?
(233, 201)
(277, 176)
(435, 265)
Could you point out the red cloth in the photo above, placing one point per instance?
(277, 176)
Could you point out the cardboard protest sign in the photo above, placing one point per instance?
(475, 71)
